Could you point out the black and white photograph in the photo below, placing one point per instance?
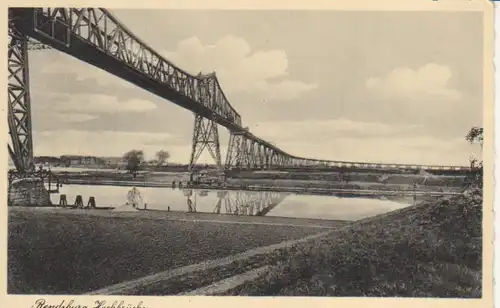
(248, 152)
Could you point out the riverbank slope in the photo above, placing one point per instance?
(430, 250)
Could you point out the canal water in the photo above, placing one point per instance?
(235, 202)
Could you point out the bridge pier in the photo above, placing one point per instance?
(28, 192)
(233, 155)
(205, 136)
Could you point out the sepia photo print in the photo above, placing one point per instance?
(247, 152)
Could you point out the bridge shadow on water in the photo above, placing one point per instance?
(243, 203)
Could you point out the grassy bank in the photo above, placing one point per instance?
(52, 252)
(430, 250)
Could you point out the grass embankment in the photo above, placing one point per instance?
(430, 250)
(53, 252)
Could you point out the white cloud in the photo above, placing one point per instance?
(55, 62)
(430, 81)
(91, 103)
(411, 150)
(238, 68)
(314, 130)
(285, 90)
(72, 117)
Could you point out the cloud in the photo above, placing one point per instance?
(52, 62)
(73, 117)
(263, 73)
(430, 81)
(91, 103)
(285, 90)
(327, 129)
(409, 150)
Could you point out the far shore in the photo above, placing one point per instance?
(318, 183)
(372, 189)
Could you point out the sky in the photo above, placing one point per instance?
(391, 87)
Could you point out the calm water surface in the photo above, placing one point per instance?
(237, 202)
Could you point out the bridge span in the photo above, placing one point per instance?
(95, 36)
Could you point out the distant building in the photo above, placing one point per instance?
(47, 160)
(114, 162)
(77, 160)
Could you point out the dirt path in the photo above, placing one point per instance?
(229, 283)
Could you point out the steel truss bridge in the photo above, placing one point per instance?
(95, 36)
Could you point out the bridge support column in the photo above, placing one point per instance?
(205, 135)
(233, 155)
(28, 191)
(19, 103)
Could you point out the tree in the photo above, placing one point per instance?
(135, 160)
(475, 135)
(162, 157)
(473, 192)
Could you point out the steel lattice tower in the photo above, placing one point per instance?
(19, 102)
(205, 135)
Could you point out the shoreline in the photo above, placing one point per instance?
(349, 190)
(188, 216)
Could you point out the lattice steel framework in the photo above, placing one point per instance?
(206, 131)
(19, 103)
(205, 136)
(95, 36)
(247, 153)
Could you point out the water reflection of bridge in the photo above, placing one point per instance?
(244, 203)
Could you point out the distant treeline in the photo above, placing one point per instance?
(109, 162)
